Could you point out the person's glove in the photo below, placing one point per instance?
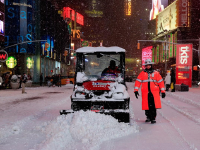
(163, 95)
(136, 94)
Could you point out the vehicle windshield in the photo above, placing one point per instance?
(101, 66)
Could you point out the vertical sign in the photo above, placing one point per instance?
(183, 13)
(146, 54)
(157, 53)
(175, 41)
(127, 7)
(171, 45)
(153, 54)
(184, 64)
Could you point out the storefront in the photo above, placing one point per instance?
(174, 26)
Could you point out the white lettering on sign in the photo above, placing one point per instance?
(184, 55)
(184, 12)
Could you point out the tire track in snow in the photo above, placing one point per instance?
(183, 99)
(15, 128)
(191, 146)
(182, 112)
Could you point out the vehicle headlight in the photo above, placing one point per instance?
(118, 95)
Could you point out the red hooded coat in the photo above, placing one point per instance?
(156, 84)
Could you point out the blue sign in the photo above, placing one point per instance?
(19, 26)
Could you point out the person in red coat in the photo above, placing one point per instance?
(152, 84)
(112, 68)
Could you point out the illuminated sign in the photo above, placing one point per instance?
(175, 15)
(66, 14)
(2, 1)
(127, 7)
(171, 49)
(3, 55)
(76, 33)
(146, 54)
(11, 62)
(19, 17)
(94, 13)
(184, 64)
(157, 7)
(1, 27)
(22, 4)
(85, 43)
(184, 55)
(29, 63)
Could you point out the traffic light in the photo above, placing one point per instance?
(138, 45)
(46, 46)
(51, 70)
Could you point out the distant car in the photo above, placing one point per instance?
(64, 79)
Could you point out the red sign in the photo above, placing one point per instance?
(146, 54)
(184, 55)
(79, 17)
(3, 55)
(97, 85)
(183, 13)
(184, 64)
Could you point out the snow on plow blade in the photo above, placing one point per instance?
(119, 114)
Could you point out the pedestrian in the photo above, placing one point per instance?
(20, 81)
(1, 82)
(6, 80)
(152, 83)
(167, 81)
(41, 79)
(173, 81)
(24, 79)
(59, 80)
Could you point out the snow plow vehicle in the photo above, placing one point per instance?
(100, 82)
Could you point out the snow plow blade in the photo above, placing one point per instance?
(119, 114)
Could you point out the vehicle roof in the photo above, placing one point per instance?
(100, 49)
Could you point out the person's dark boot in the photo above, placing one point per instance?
(153, 121)
(147, 120)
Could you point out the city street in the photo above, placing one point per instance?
(32, 122)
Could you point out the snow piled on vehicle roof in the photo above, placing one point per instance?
(86, 130)
(99, 49)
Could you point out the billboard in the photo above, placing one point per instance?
(157, 7)
(184, 64)
(146, 54)
(175, 15)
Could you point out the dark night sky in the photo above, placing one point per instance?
(118, 29)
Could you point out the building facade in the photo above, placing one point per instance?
(35, 38)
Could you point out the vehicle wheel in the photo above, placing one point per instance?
(75, 107)
(71, 82)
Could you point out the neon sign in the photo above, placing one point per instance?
(29, 63)
(11, 62)
(128, 7)
(3, 55)
(79, 17)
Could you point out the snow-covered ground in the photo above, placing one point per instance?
(32, 122)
